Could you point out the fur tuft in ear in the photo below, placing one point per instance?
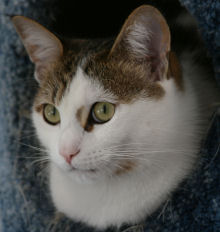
(43, 47)
(145, 37)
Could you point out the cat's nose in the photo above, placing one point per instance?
(69, 155)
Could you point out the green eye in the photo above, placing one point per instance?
(51, 114)
(103, 111)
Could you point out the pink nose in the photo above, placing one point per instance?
(68, 156)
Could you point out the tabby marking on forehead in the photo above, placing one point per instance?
(55, 81)
(126, 79)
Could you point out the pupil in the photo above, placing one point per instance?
(53, 111)
(104, 109)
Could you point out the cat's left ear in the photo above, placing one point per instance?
(145, 38)
(43, 47)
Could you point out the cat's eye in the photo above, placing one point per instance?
(103, 111)
(51, 114)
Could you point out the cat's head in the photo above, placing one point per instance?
(101, 104)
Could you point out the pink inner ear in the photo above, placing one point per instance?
(39, 72)
(158, 53)
(145, 36)
(159, 68)
(157, 45)
(154, 44)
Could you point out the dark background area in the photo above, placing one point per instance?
(95, 19)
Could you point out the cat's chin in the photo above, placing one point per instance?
(84, 176)
(78, 175)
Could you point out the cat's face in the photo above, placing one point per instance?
(91, 132)
(98, 113)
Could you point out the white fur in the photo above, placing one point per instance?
(164, 135)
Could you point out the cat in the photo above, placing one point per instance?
(122, 119)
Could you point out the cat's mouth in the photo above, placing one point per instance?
(82, 170)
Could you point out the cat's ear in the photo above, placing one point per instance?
(43, 47)
(145, 37)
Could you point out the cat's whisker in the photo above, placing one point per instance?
(28, 131)
(43, 171)
(147, 152)
(33, 147)
(127, 148)
(27, 136)
(138, 156)
(125, 144)
(28, 157)
(130, 158)
(119, 156)
(152, 153)
(40, 161)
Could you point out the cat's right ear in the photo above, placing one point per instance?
(43, 47)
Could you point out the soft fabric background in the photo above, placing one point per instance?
(24, 202)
